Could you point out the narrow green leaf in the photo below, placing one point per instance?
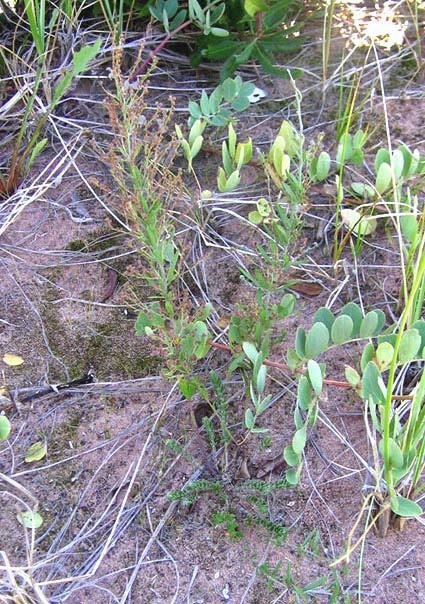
(396, 455)
(260, 383)
(232, 140)
(5, 427)
(249, 419)
(250, 351)
(300, 341)
(233, 181)
(315, 376)
(398, 163)
(196, 146)
(383, 178)
(304, 393)
(367, 355)
(299, 441)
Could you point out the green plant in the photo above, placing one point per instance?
(276, 580)
(230, 523)
(398, 444)
(233, 32)
(25, 151)
(140, 161)
(191, 493)
(230, 96)
(234, 156)
(30, 518)
(258, 327)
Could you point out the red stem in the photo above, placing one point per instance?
(328, 381)
(160, 46)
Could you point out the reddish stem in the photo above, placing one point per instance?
(160, 46)
(283, 366)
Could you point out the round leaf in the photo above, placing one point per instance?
(325, 316)
(409, 345)
(368, 325)
(358, 224)
(323, 165)
(293, 476)
(342, 329)
(355, 312)
(30, 520)
(317, 340)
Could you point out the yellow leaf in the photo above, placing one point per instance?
(36, 452)
(13, 360)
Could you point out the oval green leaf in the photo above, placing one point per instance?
(342, 329)
(303, 393)
(4, 427)
(384, 355)
(383, 178)
(325, 316)
(369, 324)
(355, 312)
(289, 455)
(405, 507)
(352, 376)
(250, 351)
(30, 520)
(317, 340)
(409, 345)
(315, 376)
(371, 384)
(299, 440)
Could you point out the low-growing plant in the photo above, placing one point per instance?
(232, 32)
(29, 144)
(217, 109)
(397, 434)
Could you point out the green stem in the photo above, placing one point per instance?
(390, 384)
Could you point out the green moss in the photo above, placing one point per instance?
(110, 348)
